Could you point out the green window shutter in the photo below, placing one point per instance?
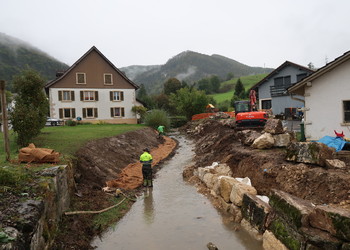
(122, 112)
(112, 112)
(84, 112)
(73, 113)
(72, 95)
(111, 95)
(121, 95)
(96, 95)
(95, 112)
(81, 95)
(61, 113)
(60, 95)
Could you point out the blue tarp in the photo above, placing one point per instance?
(334, 142)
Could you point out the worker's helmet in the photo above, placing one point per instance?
(146, 150)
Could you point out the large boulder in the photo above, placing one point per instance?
(255, 211)
(309, 152)
(238, 190)
(264, 141)
(274, 126)
(282, 140)
(225, 186)
(247, 137)
(270, 242)
(292, 209)
(334, 220)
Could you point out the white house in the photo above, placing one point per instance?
(93, 90)
(327, 99)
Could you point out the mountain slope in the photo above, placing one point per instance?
(16, 55)
(189, 66)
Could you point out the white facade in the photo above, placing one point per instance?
(324, 98)
(103, 105)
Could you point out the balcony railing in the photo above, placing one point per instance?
(279, 90)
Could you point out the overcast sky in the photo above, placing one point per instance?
(149, 32)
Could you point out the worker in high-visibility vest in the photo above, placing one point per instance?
(146, 160)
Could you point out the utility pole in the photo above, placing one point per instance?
(4, 119)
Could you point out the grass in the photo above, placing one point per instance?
(247, 81)
(67, 140)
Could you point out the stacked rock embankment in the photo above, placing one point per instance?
(289, 194)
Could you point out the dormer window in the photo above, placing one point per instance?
(108, 79)
(81, 78)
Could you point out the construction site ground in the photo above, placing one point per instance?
(216, 141)
(113, 160)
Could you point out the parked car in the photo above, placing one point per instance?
(53, 122)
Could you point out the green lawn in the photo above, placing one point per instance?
(247, 81)
(67, 140)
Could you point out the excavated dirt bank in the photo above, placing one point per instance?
(217, 141)
(113, 160)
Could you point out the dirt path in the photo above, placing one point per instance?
(131, 176)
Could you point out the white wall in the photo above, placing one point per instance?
(327, 94)
(103, 104)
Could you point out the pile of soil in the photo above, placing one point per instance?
(217, 141)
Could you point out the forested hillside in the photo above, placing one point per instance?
(189, 66)
(15, 55)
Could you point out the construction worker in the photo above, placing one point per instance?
(146, 160)
(160, 130)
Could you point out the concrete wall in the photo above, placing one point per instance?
(324, 99)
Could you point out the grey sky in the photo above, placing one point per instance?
(149, 32)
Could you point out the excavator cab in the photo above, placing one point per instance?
(247, 116)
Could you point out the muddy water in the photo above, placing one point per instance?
(173, 215)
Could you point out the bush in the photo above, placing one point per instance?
(178, 121)
(157, 117)
(71, 123)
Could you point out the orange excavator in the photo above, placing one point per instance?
(246, 113)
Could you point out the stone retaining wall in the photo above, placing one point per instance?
(281, 221)
(40, 218)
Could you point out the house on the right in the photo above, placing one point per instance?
(272, 90)
(327, 99)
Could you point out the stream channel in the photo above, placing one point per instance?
(173, 215)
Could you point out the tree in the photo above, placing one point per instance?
(171, 86)
(189, 102)
(239, 89)
(142, 92)
(204, 84)
(29, 115)
(229, 76)
(215, 83)
(311, 66)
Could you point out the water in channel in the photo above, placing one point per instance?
(173, 215)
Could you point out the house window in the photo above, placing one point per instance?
(117, 112)
(81, 78)
(66, 95)
(116, 95)
(266, 104)
(88, 96)
(346, 105)
(282, 81)
(108, 80)
(67, 113)
(301, 77)
(90, 113)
